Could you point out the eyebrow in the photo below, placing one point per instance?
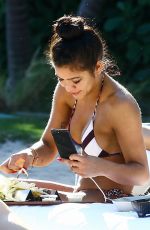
(73, 78)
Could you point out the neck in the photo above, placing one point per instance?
(96, 90)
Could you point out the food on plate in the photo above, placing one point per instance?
(11, 187)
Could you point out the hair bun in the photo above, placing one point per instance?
(69, 27)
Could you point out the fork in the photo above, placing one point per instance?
(22, 170)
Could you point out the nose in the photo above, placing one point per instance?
(69, 86)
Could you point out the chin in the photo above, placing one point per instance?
(79, 97)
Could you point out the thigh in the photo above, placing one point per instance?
(51, 185)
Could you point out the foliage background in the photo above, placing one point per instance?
(123, 24)
(126, 29)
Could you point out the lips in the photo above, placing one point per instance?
(75, 94)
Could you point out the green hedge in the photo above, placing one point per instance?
(126, 29)
(124, 26)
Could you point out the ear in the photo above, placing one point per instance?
(99, 68)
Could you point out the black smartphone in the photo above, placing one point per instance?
(64, 142)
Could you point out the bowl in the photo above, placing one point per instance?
(75, 196)
(142, 207)
(123, 206)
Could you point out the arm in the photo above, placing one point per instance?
(59, 118)
(127, 125)
(44, 151)
(125, 121)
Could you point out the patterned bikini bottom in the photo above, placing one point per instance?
(115, 193)
(95, 195)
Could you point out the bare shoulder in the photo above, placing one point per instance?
(61, 96)
(60, 112)
(123, 107)
(61, 107)
(122, 99)
(125, 121)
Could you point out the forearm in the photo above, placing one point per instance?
(127, 174)
(42, 154)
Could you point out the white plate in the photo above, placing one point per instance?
(124, 204)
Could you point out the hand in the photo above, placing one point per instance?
(84, 165)
(16, 161)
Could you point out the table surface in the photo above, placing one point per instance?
(73, 216)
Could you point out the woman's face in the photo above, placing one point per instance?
(76, 82)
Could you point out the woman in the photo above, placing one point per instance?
(101, 115)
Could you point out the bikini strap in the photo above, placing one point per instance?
(72, 112)
(98, 99)
(100, 92)
(73, 108)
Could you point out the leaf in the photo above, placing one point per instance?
(143, 29)
(142, 74)
(121, 5)
(146, 54)
(144, 2)
(113, 23)
(134, 51)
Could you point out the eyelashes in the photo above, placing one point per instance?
(73, 81)
(76, 82)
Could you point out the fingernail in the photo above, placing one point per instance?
(59, 158)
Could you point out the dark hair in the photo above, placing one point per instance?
(77, 44)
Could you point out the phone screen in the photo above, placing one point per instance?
(64, 142)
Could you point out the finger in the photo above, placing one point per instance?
(65, 161)
(13, 169)
(16, 162)
(60, 159)
(75, 164)
(75, 170)
(5, 169)
(12, 166)
(20, 162)
(78, 172)
(28, 162)
(77, 157)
